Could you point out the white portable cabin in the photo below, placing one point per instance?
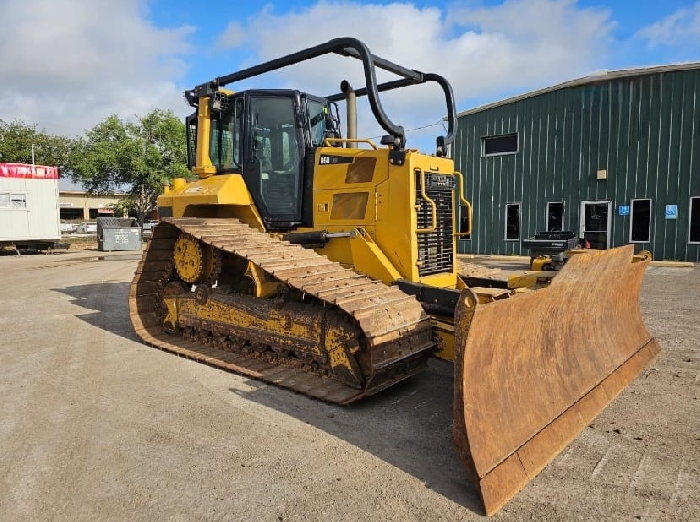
(29, 213)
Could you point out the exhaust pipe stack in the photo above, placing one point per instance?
(351, 112)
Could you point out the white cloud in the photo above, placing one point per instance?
(232, 36)
(483, 51)
(527, 42)
(66, 65)
(677, 29)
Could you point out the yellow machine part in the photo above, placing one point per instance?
(372, 195)
(216, 196)
(533, 370)
(541, 263)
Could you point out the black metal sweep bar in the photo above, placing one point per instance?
(353, 48)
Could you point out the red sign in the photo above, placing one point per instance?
(26, 171)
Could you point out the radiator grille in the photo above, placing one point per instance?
(435, 254)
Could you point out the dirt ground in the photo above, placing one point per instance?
(96, 426)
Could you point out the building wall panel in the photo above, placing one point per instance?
(643, 129)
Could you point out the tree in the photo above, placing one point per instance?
(16, 141)
(138, 158)
(24, 143)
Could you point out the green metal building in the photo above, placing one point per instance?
(613, 157)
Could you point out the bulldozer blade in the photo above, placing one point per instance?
(533, 370)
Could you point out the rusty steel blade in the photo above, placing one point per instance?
(532, 371)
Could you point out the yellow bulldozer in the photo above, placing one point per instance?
(327, 264)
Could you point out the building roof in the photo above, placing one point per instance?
(597, 77)
(27, 171)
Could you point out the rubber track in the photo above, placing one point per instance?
(384, 313)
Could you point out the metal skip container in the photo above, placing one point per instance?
(118, 234)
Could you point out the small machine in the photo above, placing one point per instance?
(550, 250)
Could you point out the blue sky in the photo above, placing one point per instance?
(81, 60)
(627, 16)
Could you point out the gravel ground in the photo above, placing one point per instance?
(96, 426)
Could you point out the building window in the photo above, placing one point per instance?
(4, 200)
(18, 200)
(497, 145)
(694, 220)
(555, 216)
(512, 221)
(640, 220)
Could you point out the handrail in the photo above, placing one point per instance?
(432, 204)
(328, 141)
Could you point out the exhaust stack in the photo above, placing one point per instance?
(351, 112)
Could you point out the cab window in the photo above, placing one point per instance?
(225, 139)
(317, 121)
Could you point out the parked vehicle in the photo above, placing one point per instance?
(87, 227)
(148, 226)
(67, 227)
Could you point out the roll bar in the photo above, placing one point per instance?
(353, 48)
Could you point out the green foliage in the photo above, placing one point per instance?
(133, 157)
(18, 140)
(137, 158)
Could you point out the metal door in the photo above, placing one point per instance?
(596, 223)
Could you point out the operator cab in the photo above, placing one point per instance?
(264, 135)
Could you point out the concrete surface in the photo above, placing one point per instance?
(96, 426)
